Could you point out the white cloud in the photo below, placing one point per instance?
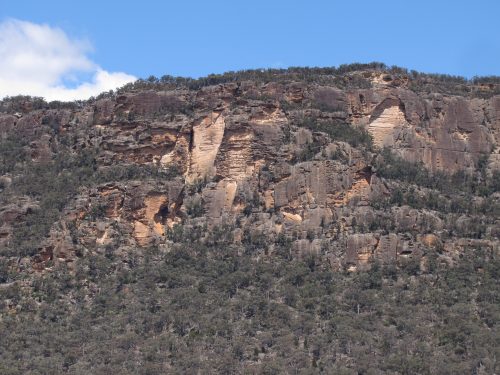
(41, 60)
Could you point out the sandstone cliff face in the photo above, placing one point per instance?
(234, 147)
(445, 133)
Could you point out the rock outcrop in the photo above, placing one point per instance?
(243, 158)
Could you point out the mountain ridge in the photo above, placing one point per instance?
(378, 177)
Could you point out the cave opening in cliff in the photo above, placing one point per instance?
(162, 214)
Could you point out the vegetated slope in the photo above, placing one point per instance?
(343, 220)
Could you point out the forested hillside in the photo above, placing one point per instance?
(310, 220)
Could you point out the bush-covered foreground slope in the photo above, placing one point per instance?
(341, 220)
(218, 309)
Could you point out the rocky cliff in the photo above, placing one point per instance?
(337, 220)
(266, 160)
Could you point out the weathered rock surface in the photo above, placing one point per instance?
(235, 148)
(12, 214)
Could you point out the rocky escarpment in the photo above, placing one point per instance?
(330, 220)
(265, 161)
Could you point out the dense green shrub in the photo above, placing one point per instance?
(12, 152)
(339, 131)
(391, 166)
(161, 310)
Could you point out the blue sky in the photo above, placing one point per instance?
(196, 38)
